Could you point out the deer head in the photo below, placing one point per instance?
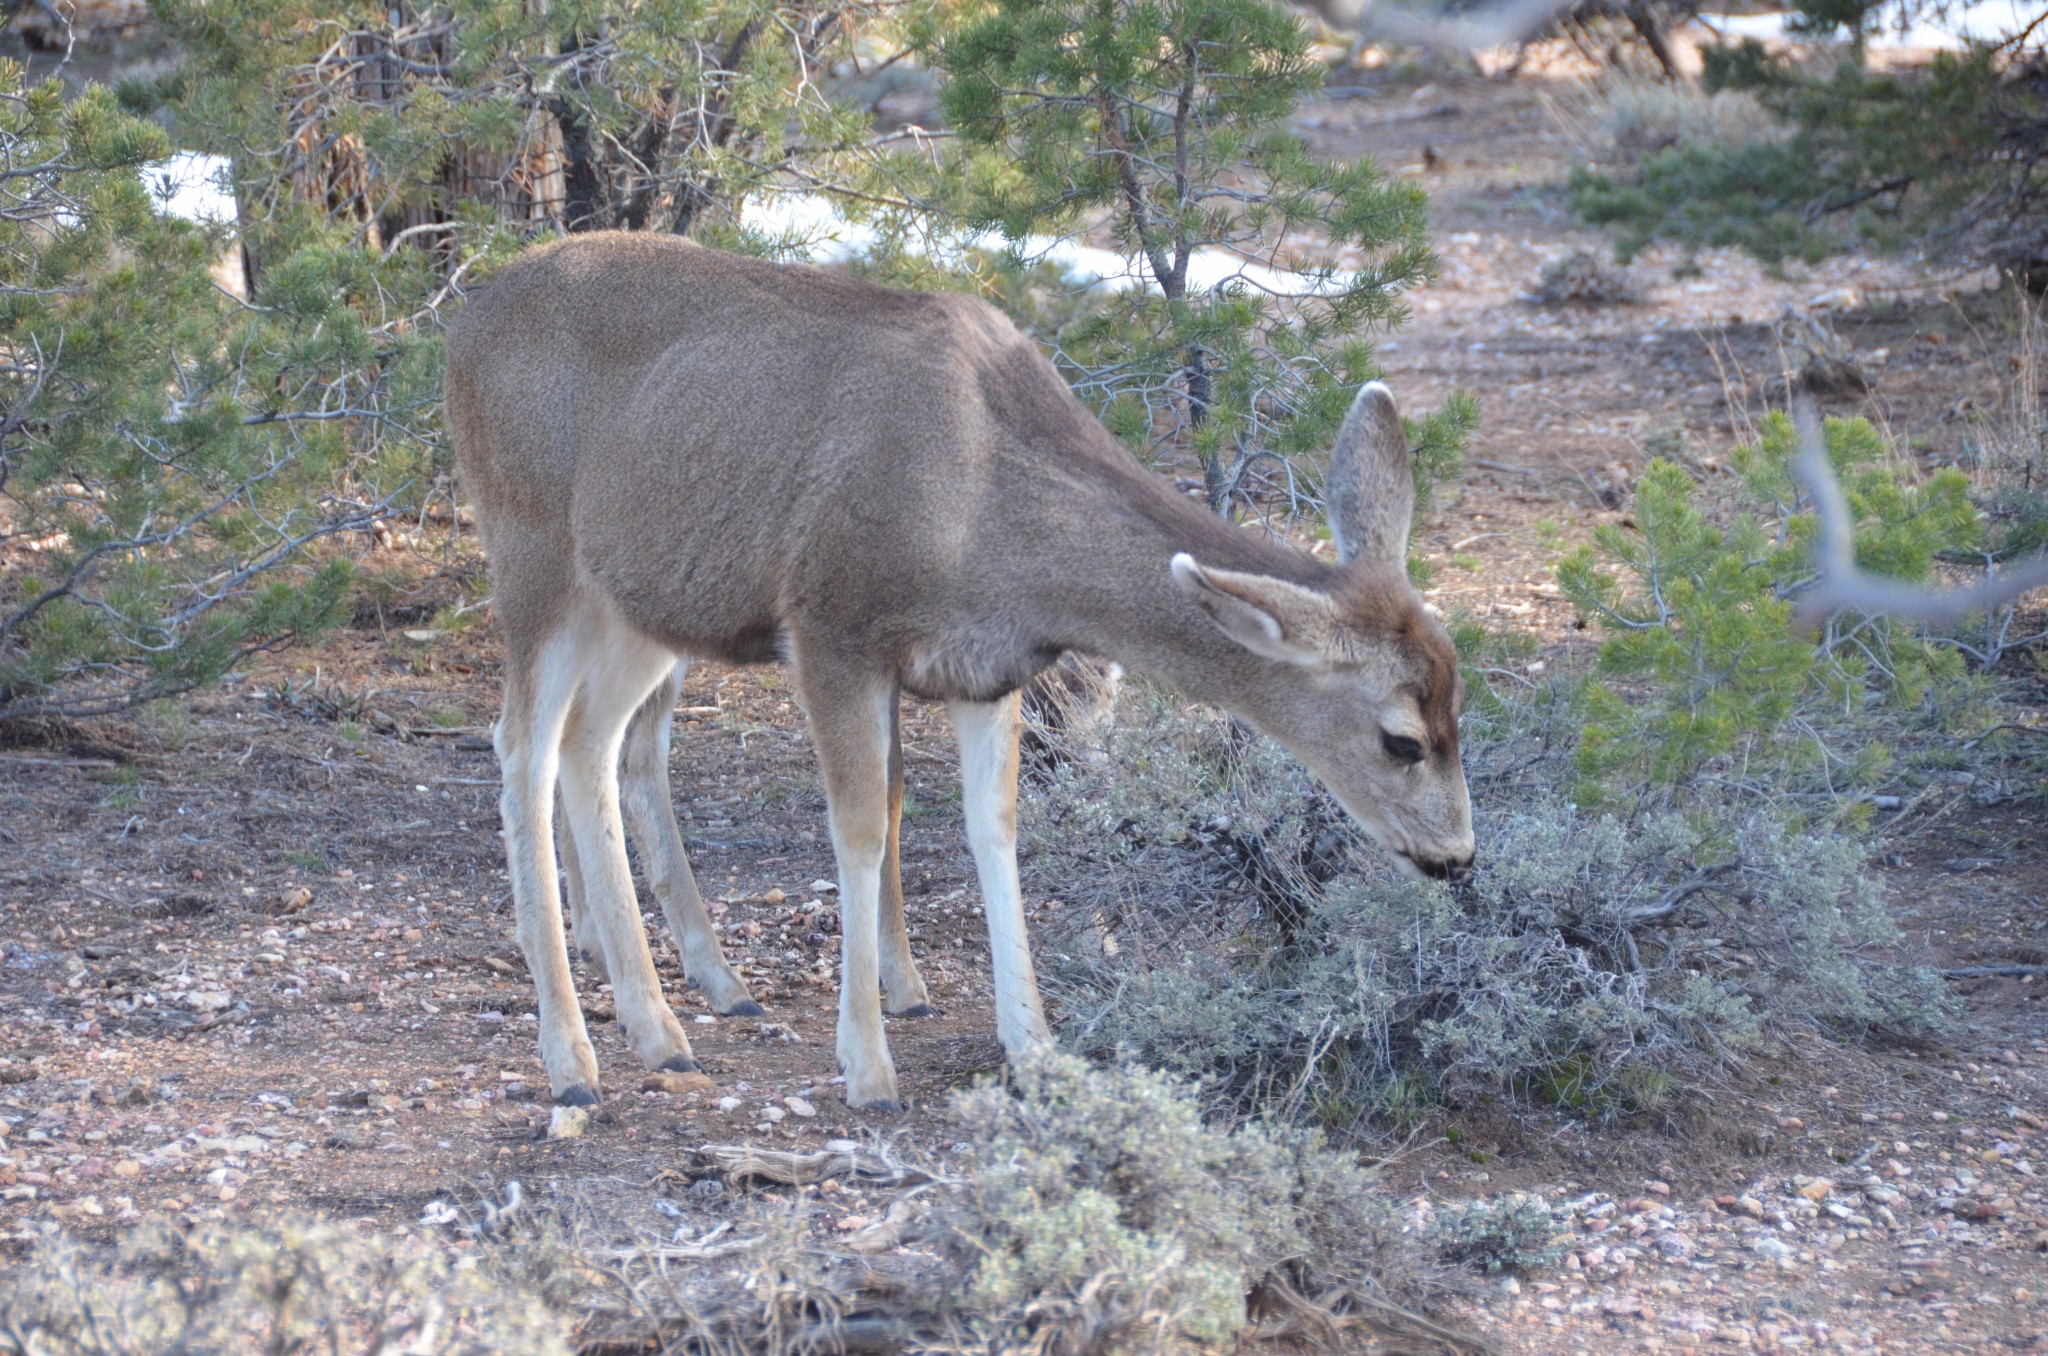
(1360, 681)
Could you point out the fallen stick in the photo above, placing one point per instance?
(1994, 971)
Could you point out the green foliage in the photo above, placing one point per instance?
(291, 1286)
(1518, 1232)
(1917, 157)
(630, 114)
(1098, 1202)
(165, 452)
(182, 466)
(1164, 125)
(1695, 603)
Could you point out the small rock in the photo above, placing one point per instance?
(1792, 1123)
(568, 1122)
(1671, 1243)
(127, 1167)
(1938, 1117)
(1817, 1190)
(677, 1082)
(1750, 1206)
(209, 1000)
(800, 1106)
(774, 897)
(347, 1139)
(1773, 1247)
(729, 1104)
(498, 965)
(1656, 1188)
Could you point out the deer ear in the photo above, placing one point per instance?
(1370, 496)
(1270, 617)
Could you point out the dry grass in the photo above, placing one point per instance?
(1630, 118)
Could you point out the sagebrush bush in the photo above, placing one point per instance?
(1100, 1212)
(1634, 118)
(287, 1286)
(1594, 961)
(1518, 1232)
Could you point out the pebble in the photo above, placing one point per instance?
(568, 1122)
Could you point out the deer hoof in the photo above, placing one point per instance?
(578, 1094)
(746, 1007)
(680, 1064)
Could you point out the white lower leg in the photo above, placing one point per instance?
(988, 777)
(589, 946)
(650, 814)
(862, 1047)
(591, 793)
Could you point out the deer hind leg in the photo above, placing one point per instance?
(988, 779)
(539, 689)
(651, 815)
(900, 979)
(849, 715)
(582, 928)
(620, 670)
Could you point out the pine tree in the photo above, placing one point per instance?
(156, 477)
(1947, 159)
(1163, 123)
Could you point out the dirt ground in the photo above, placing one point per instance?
(258, 951)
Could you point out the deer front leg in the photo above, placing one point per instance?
(900, 979)
(651, 815)
(850, 727)
(988, 780)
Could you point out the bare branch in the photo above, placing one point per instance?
(1498, 25)
(1844, 586)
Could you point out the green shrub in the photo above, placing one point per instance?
(1695, 599)
(288, 1286)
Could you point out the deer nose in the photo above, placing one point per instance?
(1448, 868)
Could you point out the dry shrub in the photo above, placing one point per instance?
(1629, 119)
(292, 1285)
(1583, 278)
(1098, 1212)
(1085, 1210)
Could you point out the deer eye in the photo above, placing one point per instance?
(1401, 748)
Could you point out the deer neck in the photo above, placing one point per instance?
(1123, 604)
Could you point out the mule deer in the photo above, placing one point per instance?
(680, 453)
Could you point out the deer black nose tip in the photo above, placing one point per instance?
(1449, 868)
